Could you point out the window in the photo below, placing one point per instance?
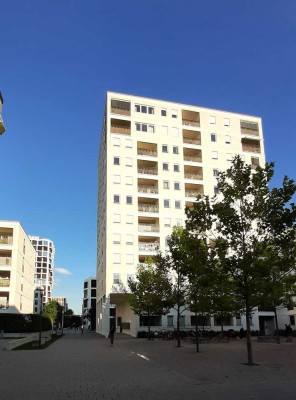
(116, 141)
(116, 218)
(129, 219)
(116, 198)
(128, 162)
(226, 122)
(238, 321)
(176, 168)
(165, 166)
(178, 222)
(212, 119)
(145, 127)
(213, 137)
(116, 278)
(174, 113)
(129, 239)
(177, 204)
(116, 258)
(255, 161)
(116, 160)
(116, 178)
(128, 180)
(129, 200)
(215, 155)
(227, 139)
(116, 238)
(215, 172)
(182, 320)
(167, 222)
(129, 258)
(128, 143)
(170, 320)
(166, 184)
(163, 112)
(144, 109)
(165, 148)
(177, 186)
(175, 132)
(216, 190)
(150, 110)
(175, 149)
(229, 157)
(166, 203)
(164, 130)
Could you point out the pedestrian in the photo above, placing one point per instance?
(82, 327)
(111, 334)
(241, 333)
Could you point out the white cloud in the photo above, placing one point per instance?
(62, 271)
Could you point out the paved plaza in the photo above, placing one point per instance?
(79, 367)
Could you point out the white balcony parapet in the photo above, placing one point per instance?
(4, 282)
(147, 152)
(5, 260)
(192, 193)
(148, 246)
(148, 228)
(148, 208)
(193, 176)
(149, 171)
(147, 189)
(193, 158)
(191, 141)
(5, 239)
(189, 122)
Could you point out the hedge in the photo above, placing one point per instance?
(23, 323)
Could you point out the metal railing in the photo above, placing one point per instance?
(146, 152)
(148, 246)
(5, 239)
(190, 122)
(147, 189)
(148, 208)
(193, 176)
(118, 110)
(148, 171)
(148, 228)
(5, 260)
(193, 158)
(191, 141)
(4, 282)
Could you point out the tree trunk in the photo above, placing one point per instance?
(249, 342)
(149, 335)
(276, 326)
(222, 326)
(196, 334)
(178, 328)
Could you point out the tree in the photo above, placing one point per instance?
(51, 310)
(150, 292)
(69, 312)
(242, 220)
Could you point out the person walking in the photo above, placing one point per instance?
(111, 334)
(82, 328)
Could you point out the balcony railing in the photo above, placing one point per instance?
(147, 152)
(120, 129)
(148, 228)
(148, 171)
(148, 208)
(192, 193)
(4, 282)
(6, 240)
(148, 246)
(193, 158)
(4, 304)
(190, 122)
(193, 176)
(191, 141)
(5, 260)
(147, 189)
(121, 111)
(251, 148)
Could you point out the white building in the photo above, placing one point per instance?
(44, 276)
(155, 157)
(89, 294)
(17, 268)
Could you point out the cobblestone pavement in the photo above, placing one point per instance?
(85, 366)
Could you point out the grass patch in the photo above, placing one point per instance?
(34, 345)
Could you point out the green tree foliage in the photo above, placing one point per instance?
(242, 222)
(149, 292)
(51, 310)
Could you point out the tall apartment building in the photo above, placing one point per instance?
(44, 269)
(17, 268)
(155, 157)
(2, 127)
(89, 294)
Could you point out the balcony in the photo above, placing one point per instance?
(147, 189)
(192, 190)
(147, 171)
(120, 126)
(192, 155)
(193, 159)
(147, 167)
(147, 149)
(120, 107)
(154, 208)
(4, 300)
(193, 176)
(148, 246)
(191, 137)
(249, 128)
(194, 173)
(251, 146)
(190, 118)
(148, 227)
(4, 282)
(192, 193)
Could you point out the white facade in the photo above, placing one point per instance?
(17, 268)
(155, 156)
(89, 294)
(44, 268)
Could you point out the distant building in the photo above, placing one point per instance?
(89, 294)
(62, 301)
(2, 127)
(17, 269)
(43, 269)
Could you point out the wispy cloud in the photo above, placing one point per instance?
(62, 271)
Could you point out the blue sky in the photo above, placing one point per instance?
(59, 57)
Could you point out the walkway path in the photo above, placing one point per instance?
(84, 366)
